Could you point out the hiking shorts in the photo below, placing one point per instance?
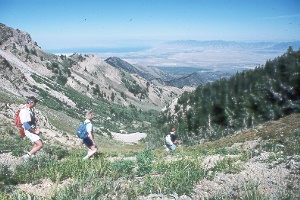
(33, 137)
(88, 142)
(171, 147)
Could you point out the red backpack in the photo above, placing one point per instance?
(19, 124)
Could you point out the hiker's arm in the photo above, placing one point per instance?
(91, 135)
(176, 141)
(28, 128)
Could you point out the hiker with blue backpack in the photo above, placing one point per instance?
(28, 120)
(85, 132)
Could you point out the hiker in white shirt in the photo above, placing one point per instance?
(28, 120)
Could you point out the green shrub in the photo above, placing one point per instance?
(123, 167)
(227, 165)
(16, 145)
(6, 175)
(292, 146)
(33, 169)
(58, 151)
(222, 151)
(144, 161)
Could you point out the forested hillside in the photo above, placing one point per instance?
(218, 109)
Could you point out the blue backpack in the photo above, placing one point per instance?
(82, 132)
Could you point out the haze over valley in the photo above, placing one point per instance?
(192, 55)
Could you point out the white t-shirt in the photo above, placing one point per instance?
(25, 114)
(89, 126)
(168, 140)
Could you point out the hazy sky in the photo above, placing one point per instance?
(90, 23)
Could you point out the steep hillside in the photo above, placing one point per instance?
(119, 63)
(147, 73)
(197, 78)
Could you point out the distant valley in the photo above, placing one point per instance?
(182, 56)
(189, 62)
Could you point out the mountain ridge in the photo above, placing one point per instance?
(222, 44)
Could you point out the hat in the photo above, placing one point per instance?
(32, 99)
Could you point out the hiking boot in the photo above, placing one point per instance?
(86, 157)
(91, 152)
(26, 157)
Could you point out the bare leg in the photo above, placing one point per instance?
(37, 146)
(92, 150)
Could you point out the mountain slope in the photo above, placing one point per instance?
(147, 73)
(197, 78)
(119, 63)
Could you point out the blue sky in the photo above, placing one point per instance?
(93, 23)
